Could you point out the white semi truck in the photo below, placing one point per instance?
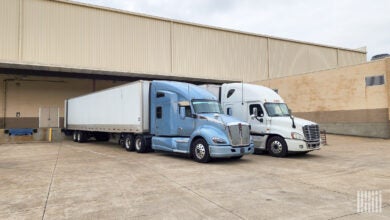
(273, 128)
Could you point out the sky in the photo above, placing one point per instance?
(342, 23)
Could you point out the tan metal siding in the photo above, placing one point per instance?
(216, 54)
(286, 58)
(321, 58)
(290, 58)
(69, 35)
(9, 29)
(347, 58)
(65, 34)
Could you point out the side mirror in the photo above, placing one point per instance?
(289, 111)
(182, 112)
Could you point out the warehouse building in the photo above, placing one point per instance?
(351, 100)
(51, 50)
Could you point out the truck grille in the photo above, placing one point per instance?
(239, 135)
(311, 132)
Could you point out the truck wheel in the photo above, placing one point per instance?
(200, 151)
(140, 144)
(129, 142)
(74, 136)
(277, 147)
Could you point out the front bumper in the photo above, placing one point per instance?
(229, 151)
(294, 145)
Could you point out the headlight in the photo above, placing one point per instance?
(218, 140)
(298, 136)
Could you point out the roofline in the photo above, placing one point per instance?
(72, 2)
(324, 70)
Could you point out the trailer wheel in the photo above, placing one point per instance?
(140, 144)
(200, 151)
(74, 136)
(81, 136)
(277, 147)
(129, 142)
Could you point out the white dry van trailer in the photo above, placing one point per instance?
(100, 113)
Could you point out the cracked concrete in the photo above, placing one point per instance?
(101, 180)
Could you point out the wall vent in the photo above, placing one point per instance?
(375, 80)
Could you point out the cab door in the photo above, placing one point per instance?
(165, 114)
(258, 124)
(186, 124)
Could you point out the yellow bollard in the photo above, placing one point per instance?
(50, 134)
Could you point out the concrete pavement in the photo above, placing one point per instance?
(92, 180)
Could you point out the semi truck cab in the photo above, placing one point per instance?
(187, 119)
(273, 128)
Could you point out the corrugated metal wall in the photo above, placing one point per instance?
(9, 29)
(289, 58)
(206, 52)
(67, 35)
(64, 34)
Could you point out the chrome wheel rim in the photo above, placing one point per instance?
(276, 147)
(200, 151)
(78, 136)
(127, 143)
(138, 144)
(74, 136)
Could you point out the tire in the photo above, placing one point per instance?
(236, 157)
(140, 144)
(277, 146)
(74, 136)
(128, 142)
(200, 151)
(81, 137)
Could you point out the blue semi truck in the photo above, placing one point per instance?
(159, 115)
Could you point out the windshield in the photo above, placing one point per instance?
(206, 106)
(276, 109)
